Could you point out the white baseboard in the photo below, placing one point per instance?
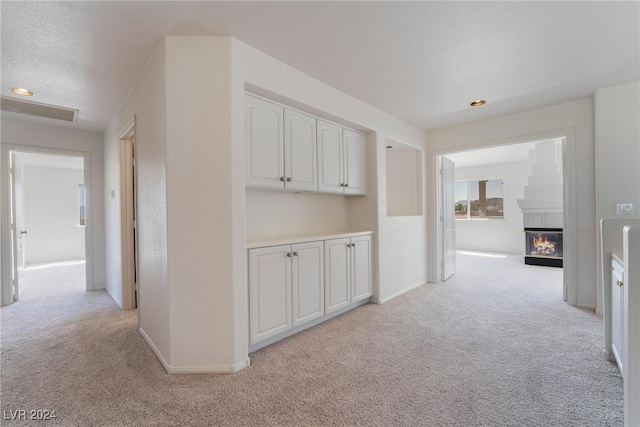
(397, 294)
(221, 369)
(155, 350)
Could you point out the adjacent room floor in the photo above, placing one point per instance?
(491, 346)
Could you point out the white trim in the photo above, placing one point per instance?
(127, 194)
(5, 219)
(164, 363)
(221, 369)
(397, 294)
(569, 200)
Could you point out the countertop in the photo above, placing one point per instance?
(280, 240)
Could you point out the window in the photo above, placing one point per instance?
(81, 205)
(480, 198)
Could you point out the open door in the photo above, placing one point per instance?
(17, 224)
(128, 218)
(447, 217)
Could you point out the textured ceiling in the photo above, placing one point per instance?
(420, 61)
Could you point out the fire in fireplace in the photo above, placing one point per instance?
(543, 247)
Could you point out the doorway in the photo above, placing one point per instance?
(485, 227)
(46, 218)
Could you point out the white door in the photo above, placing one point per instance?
(360, 268)
(264, 143)
(17, 216)
(307, 282)
(330, 175)
(300, 151)
(617, 318)
(336, 274)
(447, 170)
(269, 291)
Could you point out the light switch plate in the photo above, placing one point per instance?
(624, 208)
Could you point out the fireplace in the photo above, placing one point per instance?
(543, 246)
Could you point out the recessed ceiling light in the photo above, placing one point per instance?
(478, 102)
(21, 91)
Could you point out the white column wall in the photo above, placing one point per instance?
(147, 101)
(191, 195)
(617, 142)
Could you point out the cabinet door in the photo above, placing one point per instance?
(300, 164)
(330, 152)
(617, 317)
(264, 143)
(336, 274)
(360, 268)
(269, 292)
(307, 281)
(355, 162)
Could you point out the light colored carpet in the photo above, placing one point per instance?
(494, 346)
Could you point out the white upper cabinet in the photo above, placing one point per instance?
(300, 152)
(330, 153)
(264, 148)
(342, 156)
(289, 149)
(355, 162)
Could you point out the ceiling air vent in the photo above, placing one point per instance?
(37, 109)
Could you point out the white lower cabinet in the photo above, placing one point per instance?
(617, 313)
(307, 282)
(293, 284)
(269, 291)
(347, 269)
(286, 288)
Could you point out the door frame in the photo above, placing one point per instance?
(569, 203)
(6, 294)
(128, 206)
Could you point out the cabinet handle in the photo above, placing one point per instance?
(282, 178)
(289, 254)
(295, 254)
(342, 185)
(289, 179)
(346, 185)
(620, 283)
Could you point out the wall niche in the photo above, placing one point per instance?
(404, 179)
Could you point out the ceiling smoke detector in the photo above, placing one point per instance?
(37, 109)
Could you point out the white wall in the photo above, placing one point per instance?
(573, 119)
(51, 214)
(399, 243)
(193, 289)
(617, 144)
(404, 181)
(40, 136)
(277, 214)
(147, 101)
(496, 235)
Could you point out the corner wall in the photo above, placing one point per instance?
(147, 102)
(617, 142)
